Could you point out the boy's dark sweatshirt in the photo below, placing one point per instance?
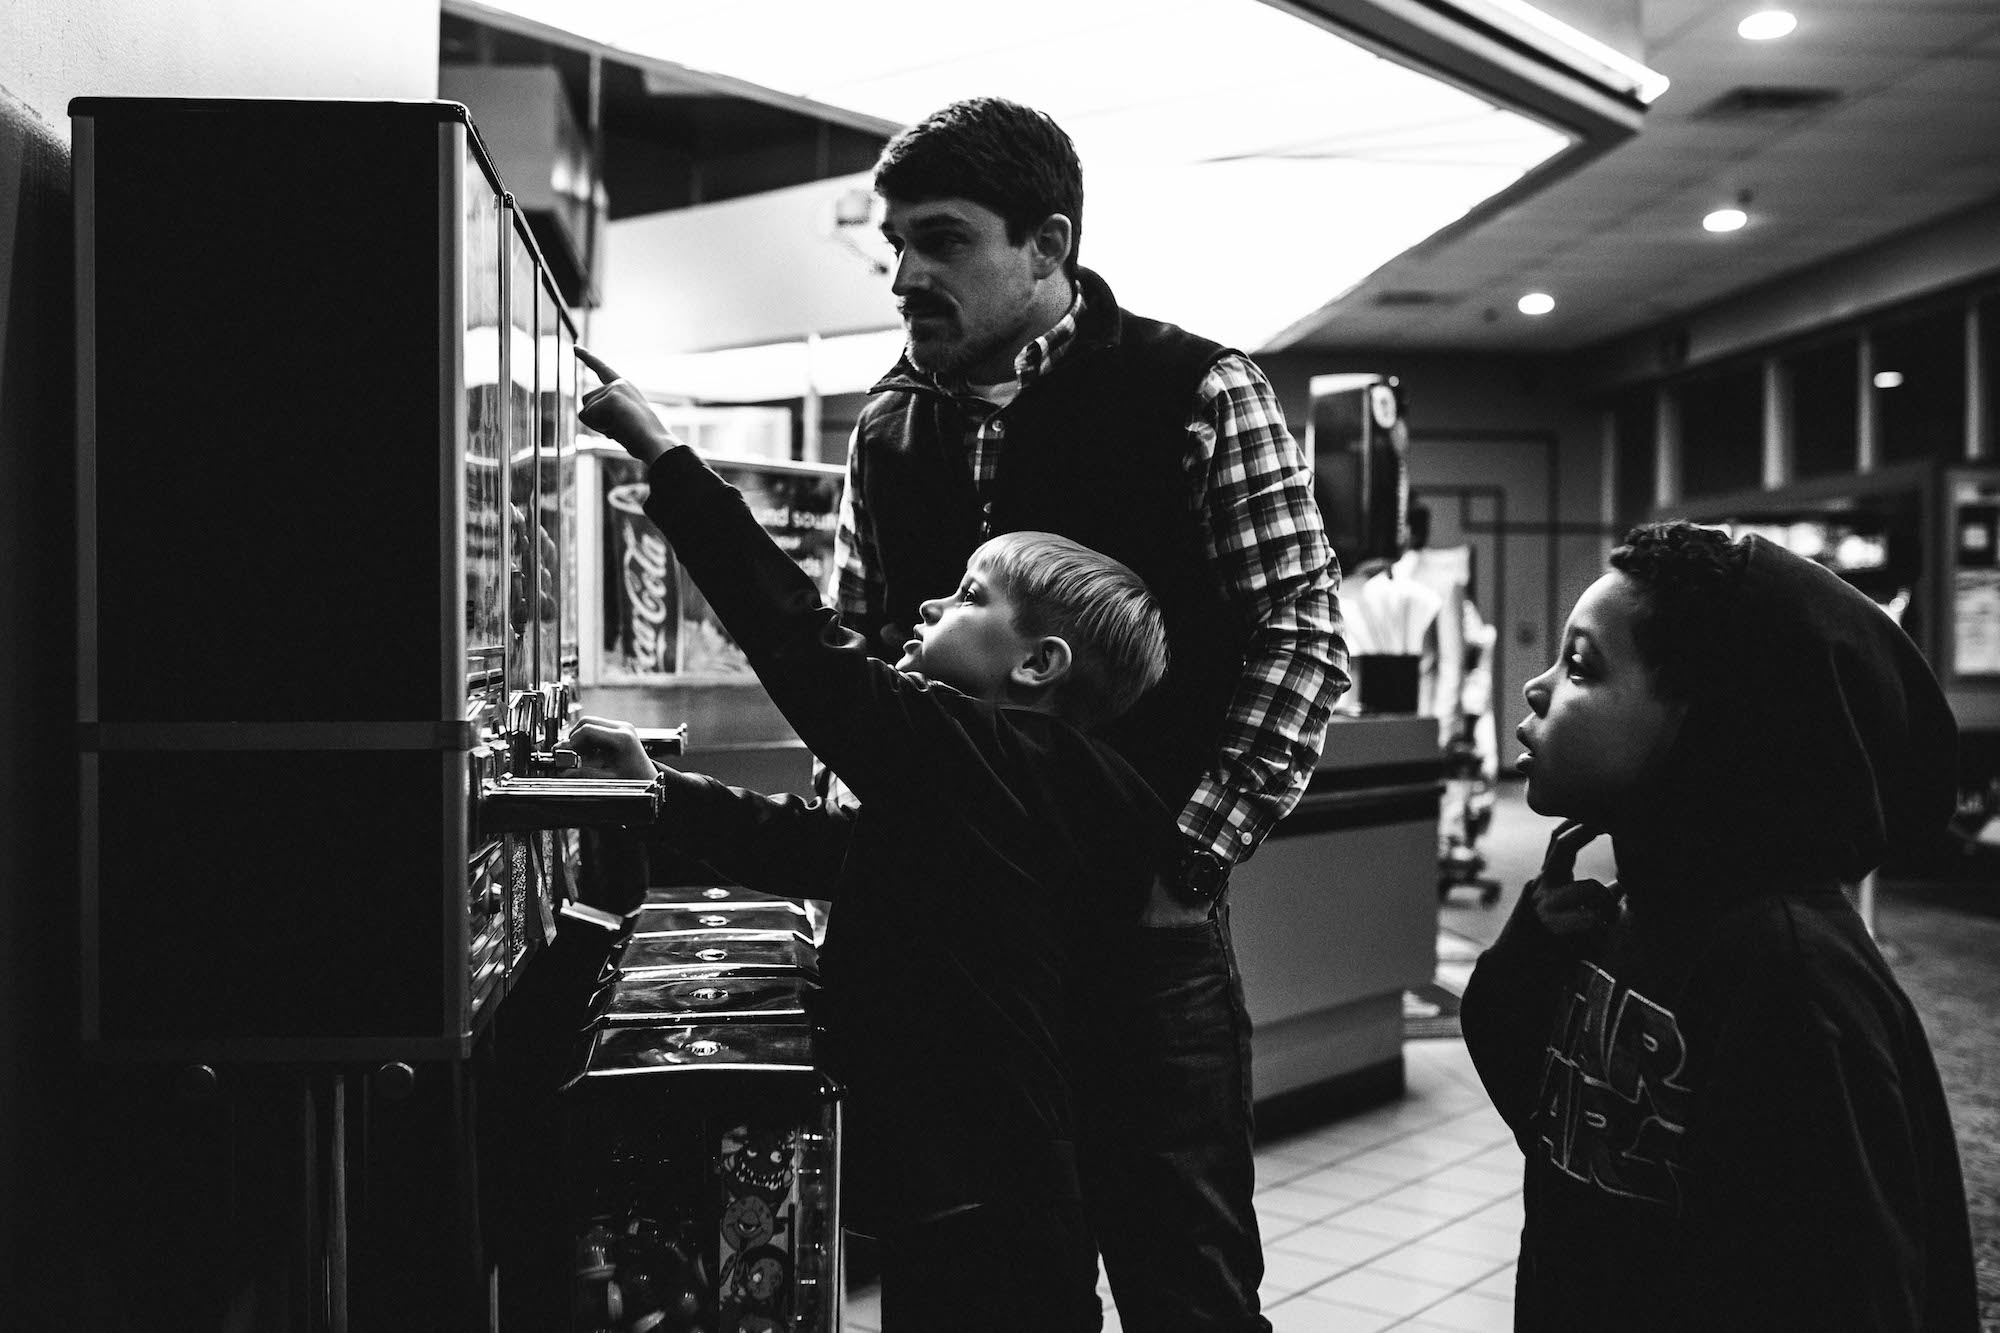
(990, 842)
(1729, 1110)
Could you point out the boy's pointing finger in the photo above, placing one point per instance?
(598, 366)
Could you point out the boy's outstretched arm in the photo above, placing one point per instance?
(880, 731)
(785, 845)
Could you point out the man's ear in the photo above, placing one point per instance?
(1047, 664)
(1051, 241)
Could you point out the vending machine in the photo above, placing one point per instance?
(1360, 447)
(326, 645)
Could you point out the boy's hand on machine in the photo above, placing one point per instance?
(606, 748)
(619, 411)
(1565, 904)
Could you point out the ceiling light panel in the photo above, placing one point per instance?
(1218, 134)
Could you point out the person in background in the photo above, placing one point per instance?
(1731, 1115)
(994, 842)
(1027, 399)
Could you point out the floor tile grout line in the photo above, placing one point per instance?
(1404, 1245)
(1393, 1184)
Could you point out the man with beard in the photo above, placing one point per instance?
(1027, 399)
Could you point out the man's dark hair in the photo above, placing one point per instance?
(1011, 158)
(1686, 574)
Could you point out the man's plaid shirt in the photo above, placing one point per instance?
(1248, 479)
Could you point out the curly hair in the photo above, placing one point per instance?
(1011, 158)
(1686, 574)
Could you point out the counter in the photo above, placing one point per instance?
(1336, 916)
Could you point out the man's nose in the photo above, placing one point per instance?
(910, 273)
(929, 611)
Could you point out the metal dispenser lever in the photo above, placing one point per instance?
(523, 805)
(663, 743)
(536, 798)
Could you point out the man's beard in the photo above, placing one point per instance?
(950, 354)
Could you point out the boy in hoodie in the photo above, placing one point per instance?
(993, 841)
(1729, 1110)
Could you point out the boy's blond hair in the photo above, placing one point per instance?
(1116, 635)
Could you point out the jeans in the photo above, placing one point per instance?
(1011, 1266)
(1163, 1081)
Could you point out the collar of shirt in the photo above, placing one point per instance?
(1037, 358)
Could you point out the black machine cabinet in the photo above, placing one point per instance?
(327, 645)
(326, 513)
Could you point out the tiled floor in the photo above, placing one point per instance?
(1402, 1217)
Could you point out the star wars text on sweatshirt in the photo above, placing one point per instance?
(1612, 1111)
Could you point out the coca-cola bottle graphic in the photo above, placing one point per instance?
(645, 589)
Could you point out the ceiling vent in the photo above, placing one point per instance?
(1747, 103)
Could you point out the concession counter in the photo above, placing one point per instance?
(1336, 916)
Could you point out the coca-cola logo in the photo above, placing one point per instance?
(645, 564)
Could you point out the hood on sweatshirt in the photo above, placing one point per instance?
(1819, 740)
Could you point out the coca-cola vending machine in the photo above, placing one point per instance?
(327, 643)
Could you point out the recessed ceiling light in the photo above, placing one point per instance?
(1766, 24)
(1536, 303)
(1888, 379)
(1725, 219)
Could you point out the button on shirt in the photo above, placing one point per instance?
(1265, 546)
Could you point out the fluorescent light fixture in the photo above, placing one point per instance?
(1888, 379)
(1244, 166)
(1647, 84)
(1725, 219)
(1536, 303)
(1766, 24)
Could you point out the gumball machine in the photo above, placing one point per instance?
(702, 1141)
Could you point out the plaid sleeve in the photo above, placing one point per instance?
(858, 592)
(1270, 555)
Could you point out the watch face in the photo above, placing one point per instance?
(1203, 874)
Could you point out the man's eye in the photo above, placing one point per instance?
(966, 595)
(1573, 665)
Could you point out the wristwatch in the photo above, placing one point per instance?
(1203, 875)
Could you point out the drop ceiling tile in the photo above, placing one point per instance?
(1660, 20)
(1687, 136)
(1951, 78)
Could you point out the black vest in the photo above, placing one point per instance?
(1093, 451)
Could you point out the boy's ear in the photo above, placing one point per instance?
(1045, 665)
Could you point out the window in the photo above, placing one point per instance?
(1634, 429)
(1922, 413)
(1722, 432)
(1825, 403)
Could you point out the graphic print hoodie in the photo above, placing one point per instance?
(1729, 1110)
